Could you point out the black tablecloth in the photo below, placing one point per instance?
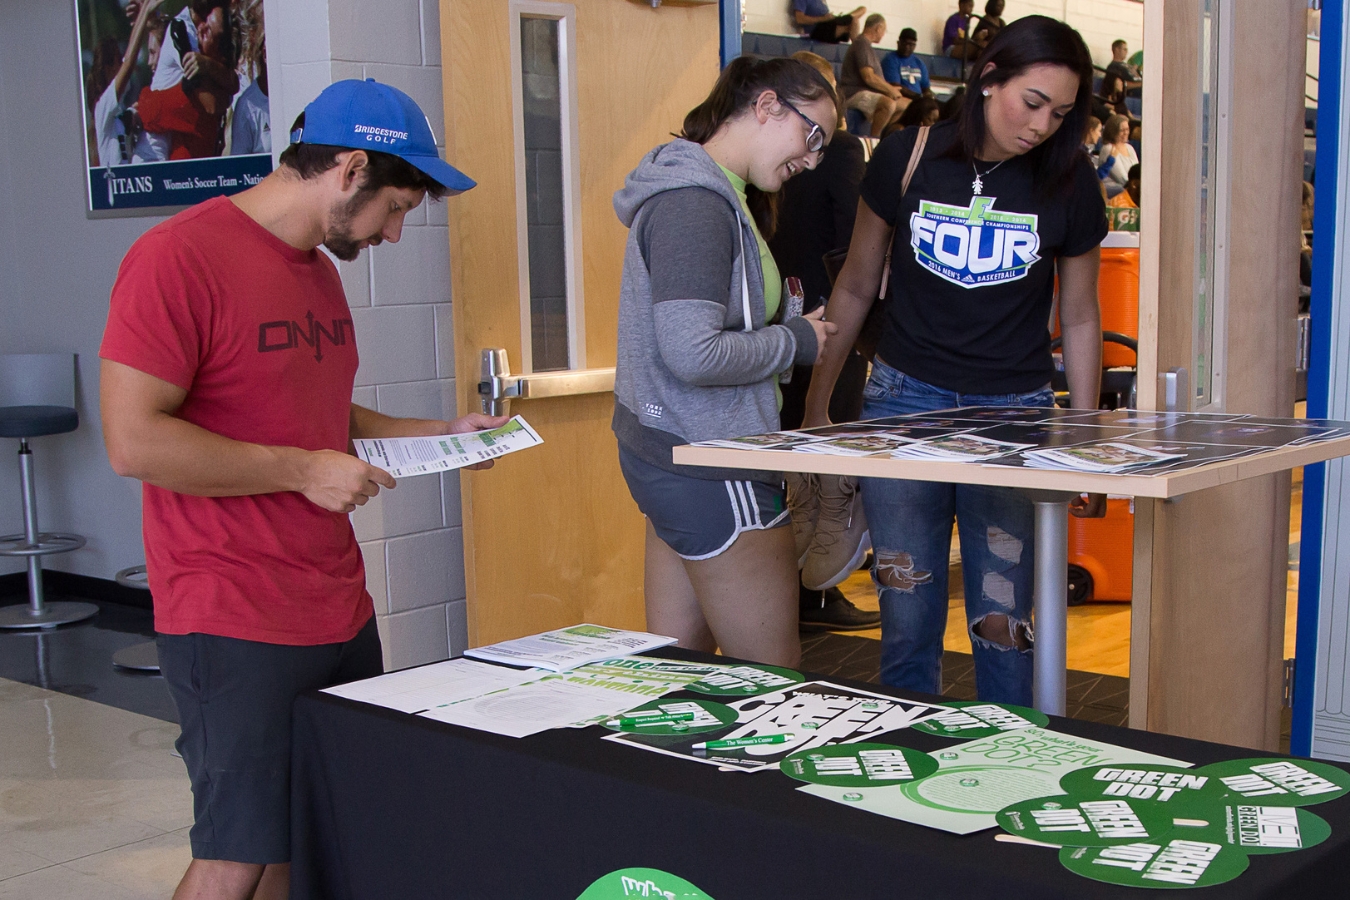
(388, 806)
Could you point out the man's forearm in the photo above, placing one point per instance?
(171, 453)
(877, 83)
(367, 423)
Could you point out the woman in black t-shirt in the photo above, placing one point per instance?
(1002, 201)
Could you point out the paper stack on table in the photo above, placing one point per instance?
(568, 648)
(959, 448)
(1104, 458)
(413, 690)
(406, 456)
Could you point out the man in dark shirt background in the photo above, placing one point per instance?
(815, 215)
(861, 85)
(1128, 74)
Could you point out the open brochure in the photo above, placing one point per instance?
(1109, 457)
(568, 648)
(404, 456)
(959, 448)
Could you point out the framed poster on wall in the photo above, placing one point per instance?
(174, 101)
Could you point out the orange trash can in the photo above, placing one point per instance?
(1104, 548)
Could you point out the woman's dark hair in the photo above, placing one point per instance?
(1031, 41)
(915, 113)
(107, 55)
(383, 169)
(951, 107)
(739, 86)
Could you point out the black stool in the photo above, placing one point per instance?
(37, 398)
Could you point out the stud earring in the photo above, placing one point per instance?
(985, 92)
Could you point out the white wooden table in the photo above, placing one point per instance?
(1220, 448)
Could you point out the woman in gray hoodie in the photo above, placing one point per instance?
(698, 357)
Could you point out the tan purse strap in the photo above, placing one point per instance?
(916, 154)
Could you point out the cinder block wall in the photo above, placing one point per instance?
(400, 299)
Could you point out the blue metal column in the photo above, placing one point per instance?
(1326, 212)
(731, 30)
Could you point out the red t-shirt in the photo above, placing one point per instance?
(259, 335)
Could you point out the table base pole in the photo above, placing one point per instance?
(1051, 598)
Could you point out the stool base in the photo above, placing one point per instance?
(138, 657)
(61, 612)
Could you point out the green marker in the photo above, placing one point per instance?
(639, 721)
(743, 742)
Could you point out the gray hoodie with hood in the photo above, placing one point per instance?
(689, 366)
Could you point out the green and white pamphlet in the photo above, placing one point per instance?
(403, 457)
(815, 714)
(746, 681)
(970, 719)
(586, 695)
(977, 779)
(650, 884)
(1175, 863)
(568, 648)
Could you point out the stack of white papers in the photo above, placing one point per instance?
(406, 456)
(856, 445)
(1104, 458)
(959, 448)
(568, 648)
(425, 687)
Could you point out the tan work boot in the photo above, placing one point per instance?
(841, 538)
(804, 504)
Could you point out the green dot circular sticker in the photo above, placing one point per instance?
(858, 765)
(1255, 829)
(1086, 822)
(642, 883)
(1277, 782)
(673, 717)
(968, 719)
(746, 681)
(978, 789)
(1174, 863)
(1157, 784)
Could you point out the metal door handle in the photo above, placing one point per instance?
(497, 387)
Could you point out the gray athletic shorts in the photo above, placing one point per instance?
(699, 518)
(234, 701)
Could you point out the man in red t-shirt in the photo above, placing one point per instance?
(226, 383)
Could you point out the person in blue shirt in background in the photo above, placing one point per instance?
(816, 21)
(905, 70)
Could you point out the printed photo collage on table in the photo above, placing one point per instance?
(1106, 441)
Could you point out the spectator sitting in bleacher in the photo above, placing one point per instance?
(904, 69)
(1128, 198)
(1129, 75)
(990, 24)
(1111, 100)
(1092, 137)
(952, 107)
(861, 86)
(956, 41)
(815, 20)
(1117, 150)
(924, 111)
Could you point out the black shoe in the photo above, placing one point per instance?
(836, 612)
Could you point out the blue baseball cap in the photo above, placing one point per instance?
(367, 115)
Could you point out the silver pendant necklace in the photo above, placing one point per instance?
(977, 185)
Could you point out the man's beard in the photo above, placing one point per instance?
(339, 240)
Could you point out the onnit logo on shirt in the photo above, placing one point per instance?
(288, 335)
(976, 245)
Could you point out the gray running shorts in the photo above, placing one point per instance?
(699, 518)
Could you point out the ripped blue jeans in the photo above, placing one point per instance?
(911, 525)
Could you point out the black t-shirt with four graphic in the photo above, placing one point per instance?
(972, 278)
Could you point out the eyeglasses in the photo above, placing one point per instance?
(815, 138)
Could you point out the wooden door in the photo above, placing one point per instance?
(551, 535)
(1209, 575)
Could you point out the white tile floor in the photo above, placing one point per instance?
(93, 806)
